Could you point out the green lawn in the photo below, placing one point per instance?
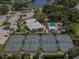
(23, 30)
(55, 55)
(1, 48)
(75, 28)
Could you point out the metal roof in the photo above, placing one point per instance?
(33, 24)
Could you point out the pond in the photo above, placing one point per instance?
(39, 3)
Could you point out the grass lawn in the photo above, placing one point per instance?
(75, 28)
(23, 30)
(1, 48)
(55, 55)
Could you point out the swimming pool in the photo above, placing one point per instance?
(39, 3)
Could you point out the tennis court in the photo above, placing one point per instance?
(32, 43)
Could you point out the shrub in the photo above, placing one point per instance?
(3, 9)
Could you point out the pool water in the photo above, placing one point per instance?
(39, 3)
(52, 24)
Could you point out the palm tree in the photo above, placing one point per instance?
(73, 52)
(70, 3)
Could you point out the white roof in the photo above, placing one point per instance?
(77, 57)
(77, 6)
(33, 24)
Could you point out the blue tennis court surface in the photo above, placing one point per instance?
(32, 43)
(14, 44)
